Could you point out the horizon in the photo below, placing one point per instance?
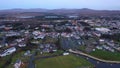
(60, 8)
(59, 4)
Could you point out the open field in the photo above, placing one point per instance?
(106, 55)
(69, 61)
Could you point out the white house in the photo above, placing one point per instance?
(8, 51)
(102, 29)
(66, 53)
(22, 45)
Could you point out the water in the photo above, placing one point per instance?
(99, 64)
(102, 64)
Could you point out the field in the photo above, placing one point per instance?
(106, 55)
(69, 61)
(18, 56)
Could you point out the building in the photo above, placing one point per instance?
(66, 53)
(102, 29)
(17, 64)
(8, 51)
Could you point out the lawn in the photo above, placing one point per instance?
(58, 52)
(3, 60)
(106, 55)
(18, 56)
(69, 61)
(82, 48)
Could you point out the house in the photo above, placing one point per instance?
(8, 51)
(36, 33)
(51, 16)
(20, 40)
(102, 29)
(13, 43)
(8, 27)
(48, 47)
(21, 44)
(27, 53)
(17, 64)
(66, 53)
(9, 34)
(0, 46)
(2, 26)
(96, 33)
(46, 50)
(101, 41)
(99, 47)
(39, 37)
(72, 16)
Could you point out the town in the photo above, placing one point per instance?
(25, 40)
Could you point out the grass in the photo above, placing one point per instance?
(106, 55)
(18, 56)
(58, 52)
(82, 48)
(3, 60)
(69, 61)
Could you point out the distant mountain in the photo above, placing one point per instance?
(24, 10)
(52, 10)
(84, 11)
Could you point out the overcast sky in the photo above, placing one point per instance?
(56, 4)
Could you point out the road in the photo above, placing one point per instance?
(31, 61)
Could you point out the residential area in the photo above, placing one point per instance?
(31, 41)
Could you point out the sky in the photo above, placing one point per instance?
(58, 4)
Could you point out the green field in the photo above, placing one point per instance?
(69, 61)
(18, 56)
(3, 60)
(106, 55)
